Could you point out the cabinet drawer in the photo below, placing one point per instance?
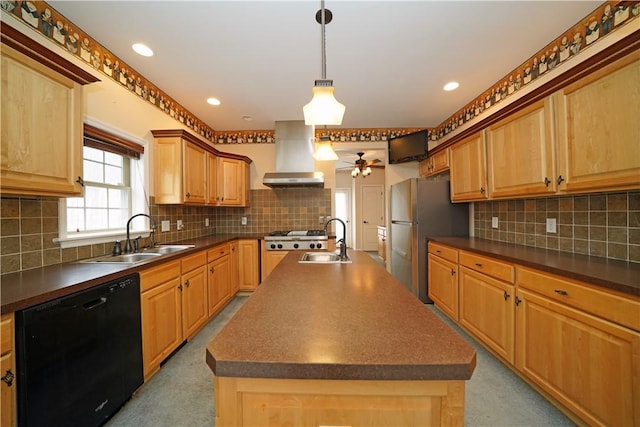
(155, 276)
(218, 252)
(608, 305)
(191, 262)
(6, 333)
(443, 251)
(491, 267)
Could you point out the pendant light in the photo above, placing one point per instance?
(324, 148)
(323, 109)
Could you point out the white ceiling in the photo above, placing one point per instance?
(388, 59)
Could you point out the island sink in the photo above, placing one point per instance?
(322, 258)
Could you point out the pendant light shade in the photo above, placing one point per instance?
(323, 109)
(324, 149)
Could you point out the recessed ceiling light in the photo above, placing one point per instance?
(451, 86)
(213, 101)
(142, 49)
(247, 118)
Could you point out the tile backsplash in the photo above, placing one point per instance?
(28, 225)
(604, 224)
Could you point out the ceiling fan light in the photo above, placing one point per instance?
(323, 109)
(367, 171)
(355, 172)
(324, 151)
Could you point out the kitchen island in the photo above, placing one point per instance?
(338, 344)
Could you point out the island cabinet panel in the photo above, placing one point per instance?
(521, 153)
(269, 260)
(598, 129)
(590, 365)
(234, 267)
(41, 129)
(469, 169)
(443, 284)
(161, 311)
(277, 402)
(194, 293)
(248, 265)
(219, 281)
(8, 372)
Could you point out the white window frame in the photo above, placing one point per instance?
(139, 179)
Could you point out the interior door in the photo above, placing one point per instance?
(343, 211)
(372, 215)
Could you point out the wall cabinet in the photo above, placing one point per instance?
(435, 163)
(187, 171)
(521, 153)
(442, 273)
(193, 293)
(486, 302)
(219, 283)
(598, 129)
(7, 372)
(161, 310)
(589, 364)
(469, 169)
(249, 264)
(41, 128)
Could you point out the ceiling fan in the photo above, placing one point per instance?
(362, 166)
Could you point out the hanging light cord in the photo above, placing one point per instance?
(323, 40)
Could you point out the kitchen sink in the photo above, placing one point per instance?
(166, 249)
(137, 257)
(322, 258)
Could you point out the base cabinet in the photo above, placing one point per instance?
(249, 265)
(161, 310)
(269, 260)
(194, 293)
(8, 372)
(219, 283)
(443, 284)
(589, 365)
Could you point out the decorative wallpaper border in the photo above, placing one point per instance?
(604, 20)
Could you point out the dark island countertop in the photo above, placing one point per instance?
(31, 287)
(617, 275)
(338, 321)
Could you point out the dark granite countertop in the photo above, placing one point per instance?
(31, 287)
(612, 274)
(338, 321)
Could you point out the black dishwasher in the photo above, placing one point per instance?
(79, 358)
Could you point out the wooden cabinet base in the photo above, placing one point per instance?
(276, 402)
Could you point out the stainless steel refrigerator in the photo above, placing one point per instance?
(419, 209)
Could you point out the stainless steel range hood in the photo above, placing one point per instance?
(294, 157)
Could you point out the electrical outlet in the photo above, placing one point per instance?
(494, 222)
(165, 226)
(551, 225)
(243, 220)
(179, 225)
(206, 222)
(321, 219)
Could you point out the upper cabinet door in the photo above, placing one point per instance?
(469, 170)
(521, 153)
(41, 129)
(599, 129)
(230, 182)
(194, 172)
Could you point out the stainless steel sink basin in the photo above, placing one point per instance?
(167, 249)
(124, 258)
(322, 258)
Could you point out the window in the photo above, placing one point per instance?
(113, 173)
(106, 204)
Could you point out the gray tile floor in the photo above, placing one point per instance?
(181, 394)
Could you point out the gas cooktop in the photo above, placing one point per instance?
(298, 233)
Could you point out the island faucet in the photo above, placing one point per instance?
(127, 245)
(343, 241)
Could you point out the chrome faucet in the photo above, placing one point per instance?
(127, 245)
(343, 241)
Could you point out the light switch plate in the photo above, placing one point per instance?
(551, 225)
(494, 222)
(206, 222)
(165, 226)
(179, 225)
(244, 220)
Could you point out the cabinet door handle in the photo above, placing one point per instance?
(453, 272)
(560, 179)
(506, 295)
(438, 251)
(561, 292)
(211, 270)
(188, 194)
(547, 181)
(187, 283)
(180, 287)
(478, 265)
(482, 190)
(517, 301)
(80, 181)
(8, 378)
